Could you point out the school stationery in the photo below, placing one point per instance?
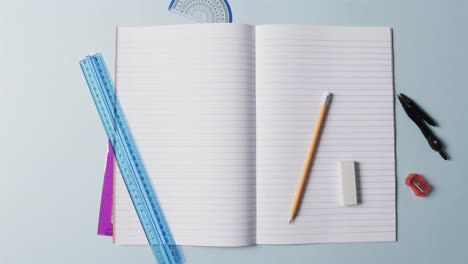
(422, 119)
(131, 166)
(205, 11)
(223, 114)
(348, 183)
(105, 227)
(208, 11)
(310, 156)
(418, 184)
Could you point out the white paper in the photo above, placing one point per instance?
(223, 115)
(188, 94)
(295, 66)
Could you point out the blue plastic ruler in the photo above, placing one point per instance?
(129, 161)
(205, 11)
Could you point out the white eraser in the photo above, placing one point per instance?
(348, 182)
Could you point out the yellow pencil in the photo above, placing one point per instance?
(309, 157)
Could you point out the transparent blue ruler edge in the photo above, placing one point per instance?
(129, 161)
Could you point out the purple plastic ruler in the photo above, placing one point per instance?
(105, 213)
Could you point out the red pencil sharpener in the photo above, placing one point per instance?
(418, 184)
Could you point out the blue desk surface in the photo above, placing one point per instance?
(53, 146)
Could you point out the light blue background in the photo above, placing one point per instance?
(52, 145)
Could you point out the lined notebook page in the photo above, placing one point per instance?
(296, 65)
(188, 92)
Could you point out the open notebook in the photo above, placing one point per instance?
(223, 115)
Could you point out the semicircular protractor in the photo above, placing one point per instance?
(205, 11)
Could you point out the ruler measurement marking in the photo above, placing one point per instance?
(133, 171)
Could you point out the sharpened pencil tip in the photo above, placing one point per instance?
(290, 221)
